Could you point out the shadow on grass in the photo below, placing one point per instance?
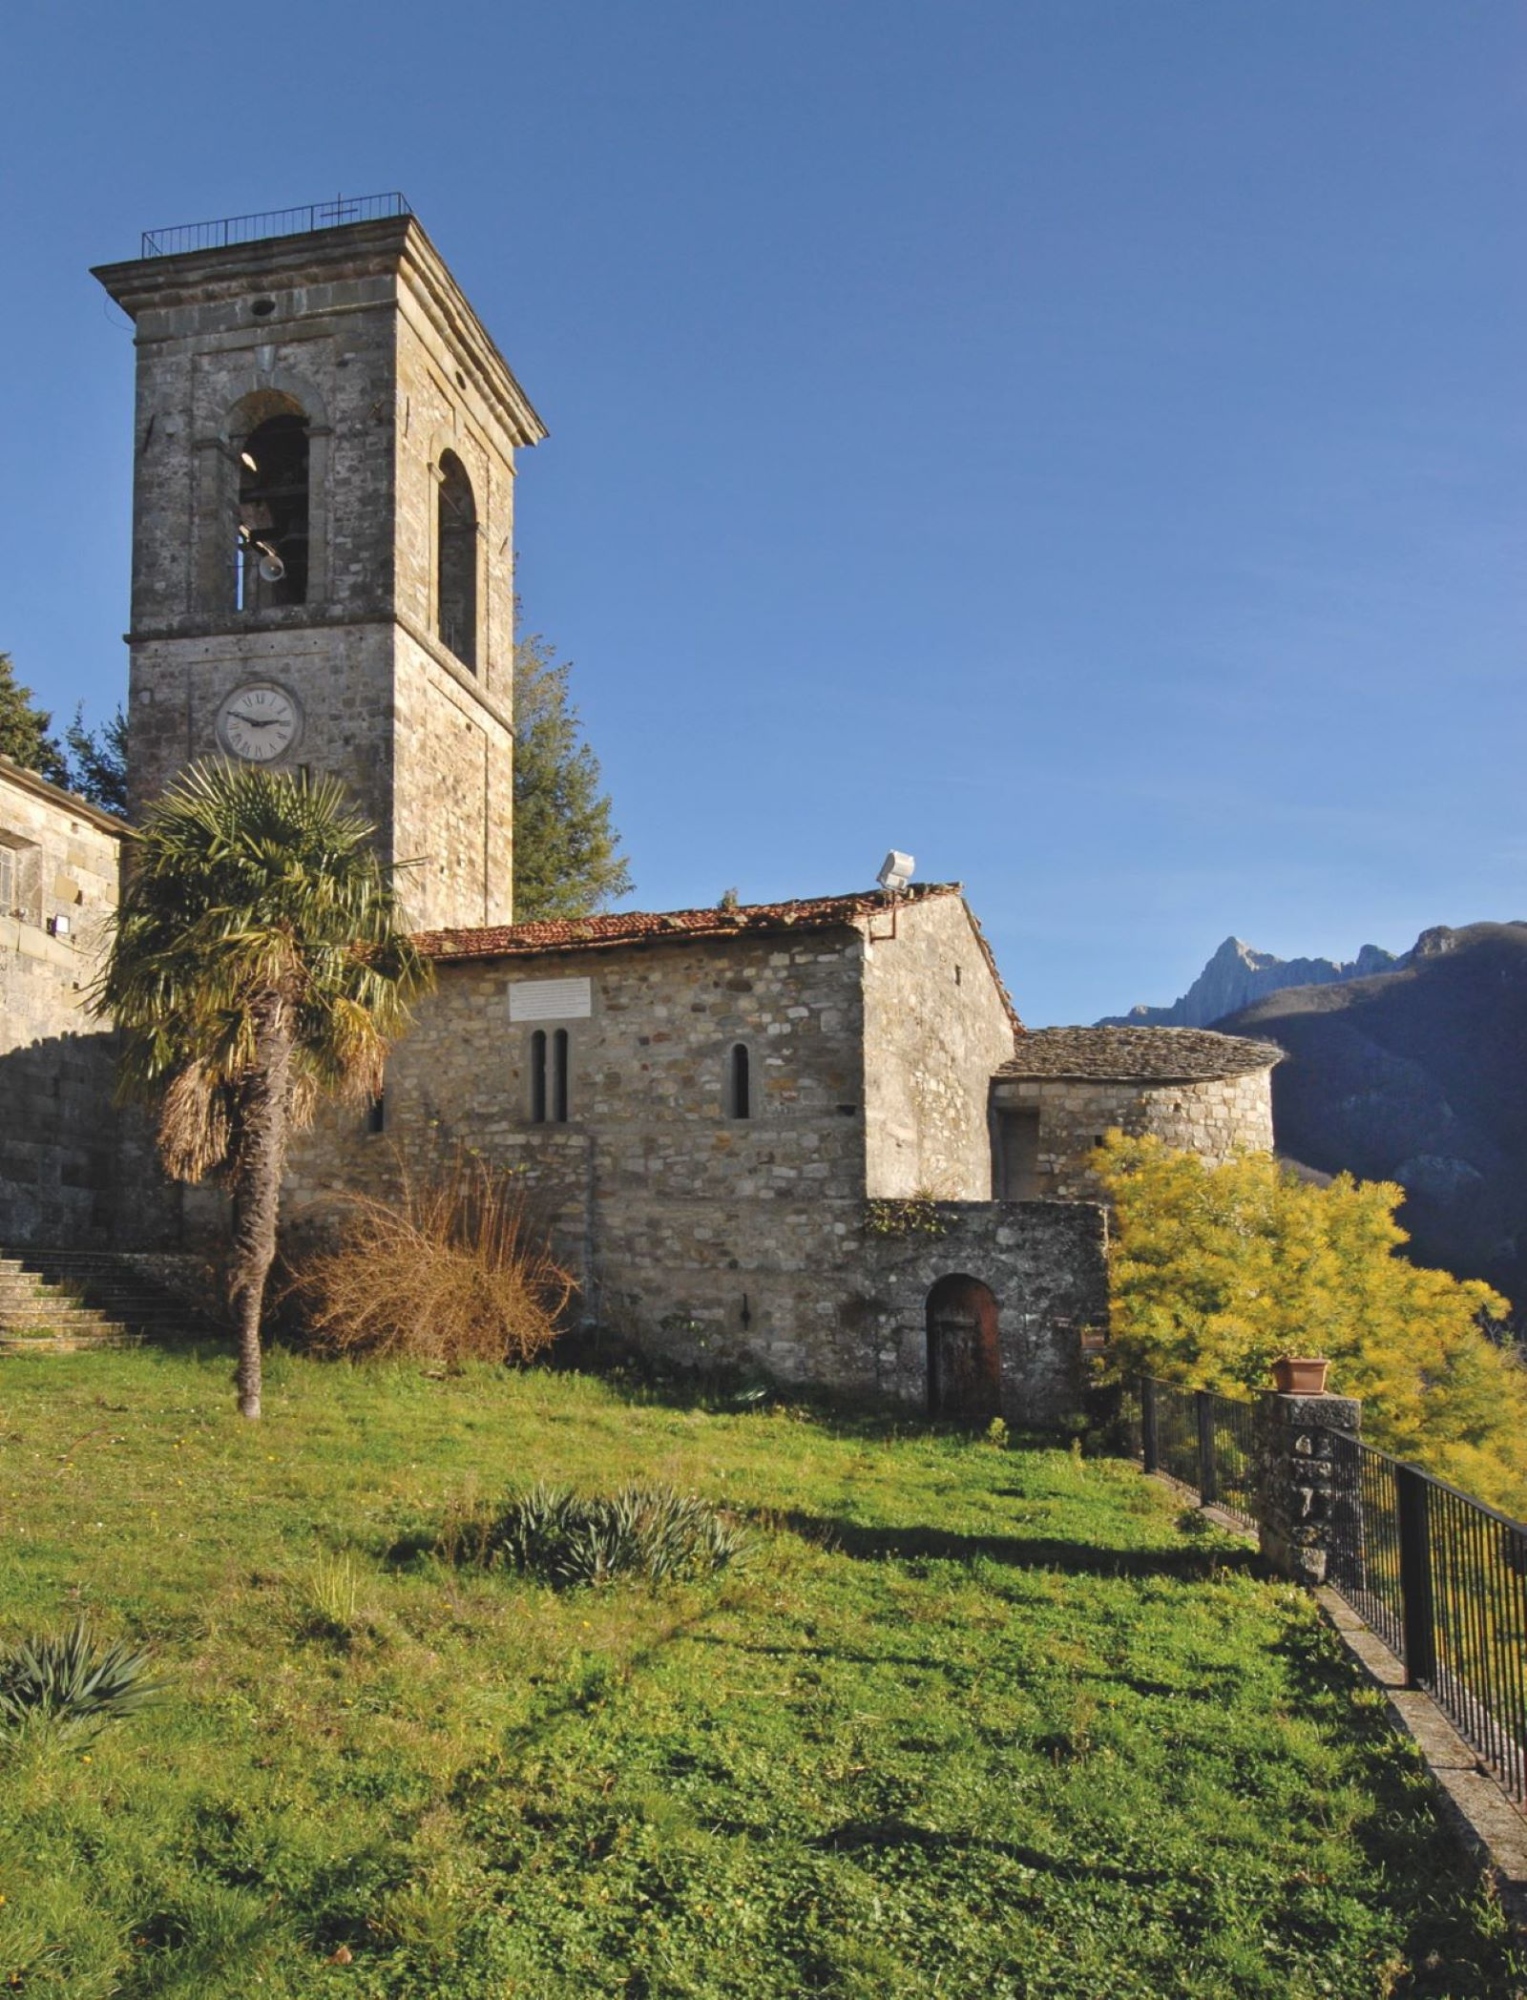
(916, 1545)
(861, 1836)
(921, 1544)
(644, 1379)
(916, 1662)
(1404, 1836)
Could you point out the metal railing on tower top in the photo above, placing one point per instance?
(344, 208)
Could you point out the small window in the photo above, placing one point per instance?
(271, 557)
(538, 1077)
(559, 1076)
(376, 1113)
(457, 561)
(739, 1100)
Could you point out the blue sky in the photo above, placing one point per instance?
(1079, 442)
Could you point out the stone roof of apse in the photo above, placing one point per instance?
(647, 927)
(1137, 1055)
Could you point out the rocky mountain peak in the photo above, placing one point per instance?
(1237, 973)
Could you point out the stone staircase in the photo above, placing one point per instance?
(59, 1301)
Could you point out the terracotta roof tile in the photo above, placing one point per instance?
(1145, 1055)
(816, 913)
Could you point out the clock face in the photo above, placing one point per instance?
(259, 722)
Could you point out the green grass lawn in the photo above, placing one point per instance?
(965, 1722)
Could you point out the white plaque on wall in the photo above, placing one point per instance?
(551, 1000)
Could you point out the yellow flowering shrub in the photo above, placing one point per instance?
(1215, 1271)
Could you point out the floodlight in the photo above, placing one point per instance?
(895, 871)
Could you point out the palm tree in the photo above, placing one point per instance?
(256, 965)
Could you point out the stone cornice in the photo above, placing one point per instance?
(397, 247)
(29, 781)
(429, 279)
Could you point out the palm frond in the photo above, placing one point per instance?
(245, 886)
(195, 1124)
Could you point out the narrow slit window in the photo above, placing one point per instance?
(376, 1113)
(271, 559)
(559, 1076)
(739, 1093)
(457, 561)
(538, 1077)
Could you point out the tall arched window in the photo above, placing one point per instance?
(538, 1077)
(739, 1100)
(457, 561)
(559, 1076)
(271, 557)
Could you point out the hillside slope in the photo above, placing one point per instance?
(1237, 974)
(1418, 1075)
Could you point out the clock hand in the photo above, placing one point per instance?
(254, 721)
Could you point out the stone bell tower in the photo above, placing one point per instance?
(323, 531)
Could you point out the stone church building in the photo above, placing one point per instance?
(809, 1137)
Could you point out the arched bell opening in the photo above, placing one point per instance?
(964, 1353)
(271, 551)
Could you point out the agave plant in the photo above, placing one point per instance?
(652, 1532)
(67, 1683)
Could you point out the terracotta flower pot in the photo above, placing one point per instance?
(1300, 1375)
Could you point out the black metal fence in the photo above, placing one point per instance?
(1440, 1577)
(1203, 1441)
(272, 222)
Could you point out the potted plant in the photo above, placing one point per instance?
(1300, 1374)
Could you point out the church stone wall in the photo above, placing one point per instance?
(694, 1232)
(936, 1028)
(453, 795)
(1214, 1117)
(59, 863)
(1046, 1264)
(710, 1239)
(328, 345)
(441, 407)
(340, 676)
(363, 330)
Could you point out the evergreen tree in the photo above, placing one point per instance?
(98, 761)
(567, 859)
(24, 729)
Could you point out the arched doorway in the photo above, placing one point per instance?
(964, 1358)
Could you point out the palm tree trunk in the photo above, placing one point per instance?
(259, 1160)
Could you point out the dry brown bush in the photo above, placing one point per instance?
(451, 1272)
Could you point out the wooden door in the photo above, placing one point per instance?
(964, 1356)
